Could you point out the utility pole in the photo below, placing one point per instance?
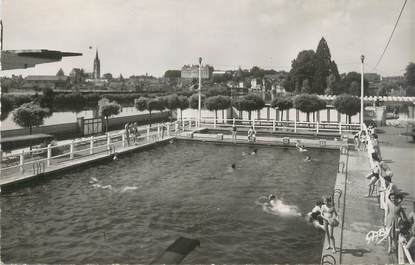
(200, 91)
(362, 58)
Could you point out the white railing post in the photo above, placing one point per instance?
(176, 126)
(123, 139)
(168, 130)
(190, 124)
(295, 125)
(233, 122)
(108, 141)
(273, 125)
(214, 122)
(71, 147)
(340, 127)
(148, 133)
(317, 126)
(91, 145)
(49, 155)
(21, 162)
(183, 124)
(158, 131)
(253, 123)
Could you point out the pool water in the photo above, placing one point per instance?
(131, 209)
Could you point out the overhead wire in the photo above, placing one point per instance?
(390, 37)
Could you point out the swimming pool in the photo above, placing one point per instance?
(180, 189)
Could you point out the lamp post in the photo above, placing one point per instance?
(200, 91)
(362, 59)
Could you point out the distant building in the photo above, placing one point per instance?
(372, 78)
(393, 79)
(256, 84)
(76, 76)
(192, 71)
(97, 67)
(45, 81)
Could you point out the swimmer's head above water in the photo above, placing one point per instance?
(233, 165)
(272, 197)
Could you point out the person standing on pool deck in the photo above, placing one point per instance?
(127, 132)
(234, 132)
(373, 177)
(394, 212)
(330, 216)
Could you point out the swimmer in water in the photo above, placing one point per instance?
(233, 166)
(272, 199)
(307, 159)
(93, 180)
(115, 157)
(300, 146)
(254, 152)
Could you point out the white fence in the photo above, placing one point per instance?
(273, 125)
(35, 161)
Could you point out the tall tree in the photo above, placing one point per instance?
(108, 108)
(249, 103)
(194, 101)
(217, 103)
(347, 104)
(183, 104)
(282, 103)
(303, 67)
(308, 103)
(323, 66)
(410, 74)
(29, 115)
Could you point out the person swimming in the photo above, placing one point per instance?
(233, 166)
(300, 146)
(254, 152)
(115, 157)
(93, 180)
(315, 218)
(307, 159)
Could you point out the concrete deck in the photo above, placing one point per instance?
(361, 215)
(262, 140)
(68, 164)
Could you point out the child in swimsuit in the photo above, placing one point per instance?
(329, 214)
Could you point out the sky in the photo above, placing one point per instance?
(151, 36)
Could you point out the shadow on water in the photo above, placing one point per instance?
(357, 252)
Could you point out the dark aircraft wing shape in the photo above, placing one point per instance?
(22, 59)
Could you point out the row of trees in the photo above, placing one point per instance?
(307, 103)
(33, 114)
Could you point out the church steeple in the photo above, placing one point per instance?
(97, 67)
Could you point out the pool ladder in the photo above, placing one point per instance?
(328, 259)
(339, 192)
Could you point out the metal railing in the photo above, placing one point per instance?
(274, 125)
(404, 256)
(40, 159)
